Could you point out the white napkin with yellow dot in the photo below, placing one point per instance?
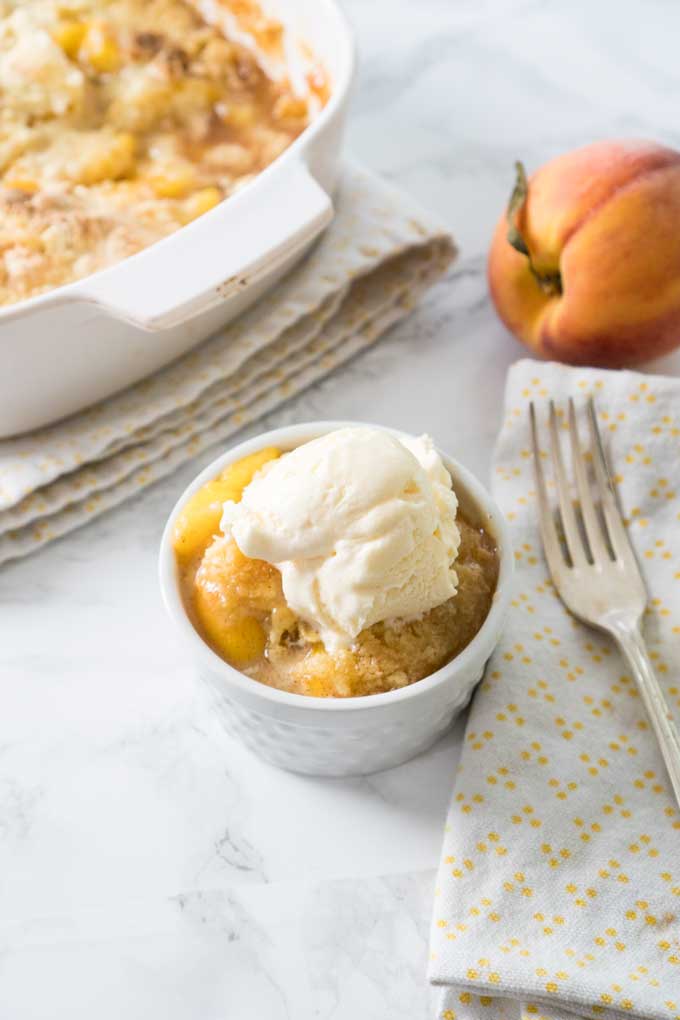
(373, 263)
(559, 885)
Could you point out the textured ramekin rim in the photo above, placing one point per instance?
(287, 437)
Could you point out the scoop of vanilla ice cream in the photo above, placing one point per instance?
(361, 525)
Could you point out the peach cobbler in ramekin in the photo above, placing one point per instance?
(343, 567)
(122, 121)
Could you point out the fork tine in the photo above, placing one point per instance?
(546, 521)
(596, 540)
(618, 536)
(572, 534)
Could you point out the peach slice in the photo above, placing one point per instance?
(240, 643)
(199, 519)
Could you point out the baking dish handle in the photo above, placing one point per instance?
(236, 244)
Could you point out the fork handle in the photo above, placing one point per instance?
(632, 645)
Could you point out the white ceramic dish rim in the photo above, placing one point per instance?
(76, 289)
(290, 436)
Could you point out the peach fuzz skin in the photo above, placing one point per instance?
(607, 218)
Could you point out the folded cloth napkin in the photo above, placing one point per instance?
(374, 261)
(559, 884)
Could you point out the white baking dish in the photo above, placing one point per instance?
(66, 349)
(340, 736)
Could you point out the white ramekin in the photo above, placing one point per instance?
(340, 736)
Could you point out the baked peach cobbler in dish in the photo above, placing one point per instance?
(341, 568)
(123, 120)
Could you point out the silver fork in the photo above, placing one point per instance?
(593, 565)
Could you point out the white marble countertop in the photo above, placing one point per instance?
(149, 867)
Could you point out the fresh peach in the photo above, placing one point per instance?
(585, 265)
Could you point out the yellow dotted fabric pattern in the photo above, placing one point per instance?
(559, 884)
(372, 265)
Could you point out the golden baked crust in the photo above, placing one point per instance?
(225, 586)
(119, 123)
